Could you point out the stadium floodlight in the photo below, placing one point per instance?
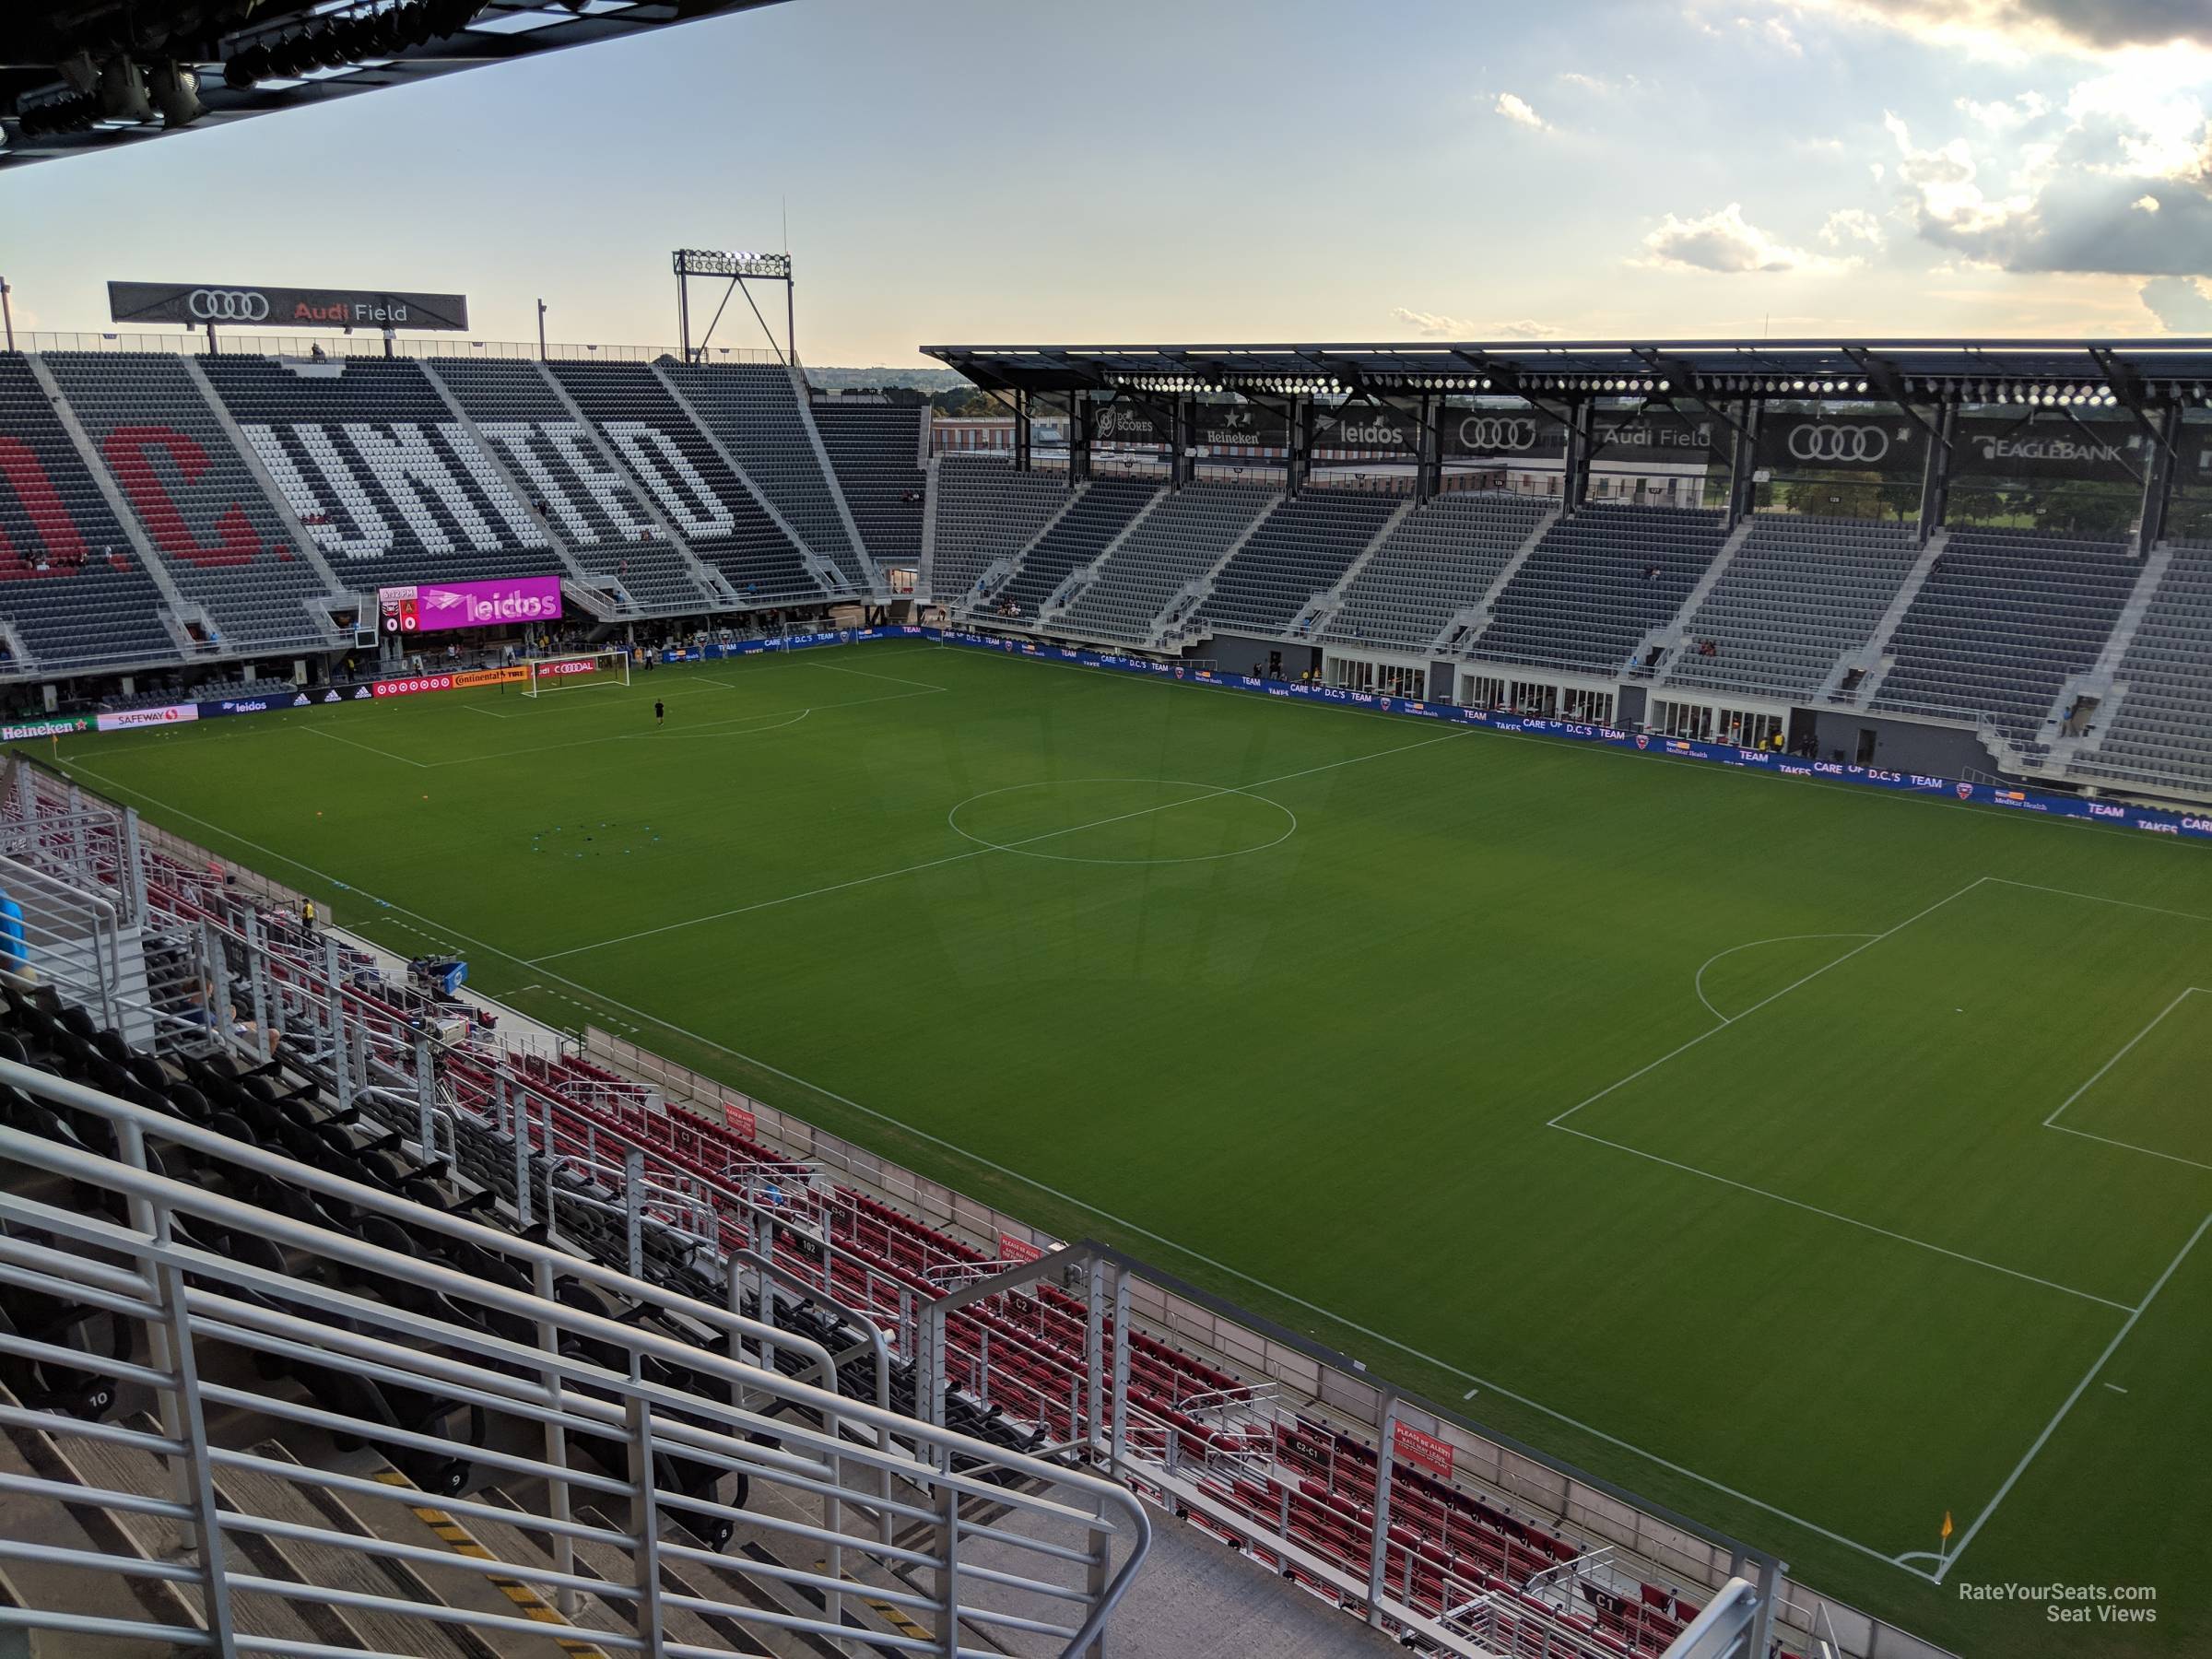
(175, 91)
(711, 262)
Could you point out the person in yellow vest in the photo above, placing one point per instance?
(307, 914)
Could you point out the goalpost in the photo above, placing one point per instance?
(575, 670)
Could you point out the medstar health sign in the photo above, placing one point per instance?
(244, 305)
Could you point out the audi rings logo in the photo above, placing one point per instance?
(1497, 432)
(227, 305)
(1860, 444)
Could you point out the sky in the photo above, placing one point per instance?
(989, 171)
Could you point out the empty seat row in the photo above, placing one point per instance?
(2005, 618)
(1598, 584)
(1799, 593)
(1302, 550)
(1434, 563)
(875, 449)
(70, 582)
(1178, 542)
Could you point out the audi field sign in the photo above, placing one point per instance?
(244, 305)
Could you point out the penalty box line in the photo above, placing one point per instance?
(2059, 1417)
(1561, 1123)
(2051, 1121)
(1033, 1184)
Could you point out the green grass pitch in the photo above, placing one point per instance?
(1815, 1160)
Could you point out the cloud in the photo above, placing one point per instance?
(1588, 83)
(1852, 224)
(2073, 202)
(2014, 28)
(1517, 109)
(2003, 115)
(1723, 242)
(2181, 304)
(1437, 325)
(1772, 32)
(1434, 325)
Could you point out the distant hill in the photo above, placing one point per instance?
(919, 380)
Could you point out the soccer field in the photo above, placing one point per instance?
(1813, 1158)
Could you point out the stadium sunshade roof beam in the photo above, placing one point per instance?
(369, 45)
(2131, 372)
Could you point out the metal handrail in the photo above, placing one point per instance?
(192, 1296)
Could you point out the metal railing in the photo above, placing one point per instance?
(600, 1432)
(193, 343)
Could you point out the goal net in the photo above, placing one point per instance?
(574, 671)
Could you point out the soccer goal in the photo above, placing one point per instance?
(574, 670)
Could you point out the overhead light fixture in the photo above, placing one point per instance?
(175, 91)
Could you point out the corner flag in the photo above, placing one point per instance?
(1946, 1526)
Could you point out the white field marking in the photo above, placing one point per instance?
(2079, 1388)
(932, 864)
(1872, 940)
(1209, 791)
(1697, 985)
(2051, 1121)
(1956, 1255)
(371, 748)
(2115, 1388)
(865, 674)
(489, 713)
(704, 735)
(1704, 768)
(1131, 1227)
(2100, 899)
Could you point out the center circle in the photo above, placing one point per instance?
(1122, 821)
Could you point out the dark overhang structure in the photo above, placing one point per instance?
(1734, 385)
(83, 76)
(1995, 370)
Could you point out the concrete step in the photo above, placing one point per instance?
(415, 1518)
(133, 1469)
(66, 1589)
(276, 1498)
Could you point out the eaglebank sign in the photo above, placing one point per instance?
(239, 304)
(430, 607)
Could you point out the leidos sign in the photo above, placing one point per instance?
(240, 305)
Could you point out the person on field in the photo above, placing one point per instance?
(660, 712)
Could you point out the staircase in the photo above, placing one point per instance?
(1309, 623)
(1457, 637)
(1069, 590)
(1171, 628)
(1669, 639)
(1871, 661)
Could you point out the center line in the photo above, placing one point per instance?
(952, 858)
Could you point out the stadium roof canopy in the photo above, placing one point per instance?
(62, 92)
(2131, 372)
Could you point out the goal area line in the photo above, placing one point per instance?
(574, 670)
(1945, 1560)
